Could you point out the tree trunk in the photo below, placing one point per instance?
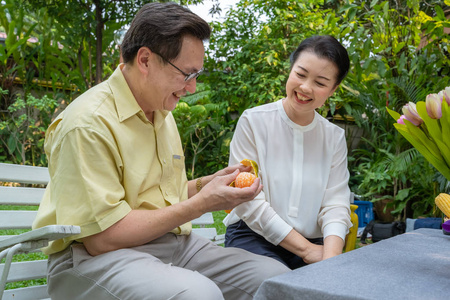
(99, 38)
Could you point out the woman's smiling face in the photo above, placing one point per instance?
(311, 81)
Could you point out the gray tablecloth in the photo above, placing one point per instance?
(414, 265)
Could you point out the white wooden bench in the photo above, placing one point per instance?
(32, 241)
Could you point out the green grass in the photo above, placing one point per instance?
(218, 218)
(18, 207)
(218, 224)
(26, 257)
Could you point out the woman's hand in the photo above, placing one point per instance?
(313, 253)
(300, 246)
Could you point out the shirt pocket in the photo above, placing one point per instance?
(179, 174)
(178, 162)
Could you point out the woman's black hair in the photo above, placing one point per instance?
(325, 46)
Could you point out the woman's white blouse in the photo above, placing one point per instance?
(303, 170)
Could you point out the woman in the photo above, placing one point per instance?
(303, 213)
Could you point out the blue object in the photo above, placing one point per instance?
(364, 212)
(428, 223)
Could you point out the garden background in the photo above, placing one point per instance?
(52, 51)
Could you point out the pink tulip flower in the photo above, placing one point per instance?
(445, 95)
(411, 114)
(401, 120)
(434, 106)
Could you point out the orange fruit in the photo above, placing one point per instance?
(248, 178)
(244, 179)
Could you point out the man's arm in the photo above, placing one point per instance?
(142, 226)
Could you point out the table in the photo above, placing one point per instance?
(414, 265)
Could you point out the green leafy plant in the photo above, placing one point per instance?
(204, 131)
(22, 133)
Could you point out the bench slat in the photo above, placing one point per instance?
(205, 219)
(23, 174)
(32, 292)
(14, 219)
(26, 270)
(17, 219)
(209, 233)
(20, 195)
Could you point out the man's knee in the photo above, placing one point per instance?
(198, 288)
(267, 268)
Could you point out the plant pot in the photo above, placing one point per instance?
(383, 211)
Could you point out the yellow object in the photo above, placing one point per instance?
(350, 239)
(443, 202)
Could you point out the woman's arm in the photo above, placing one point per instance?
(300, 246)
(334, 216)
(333, 246)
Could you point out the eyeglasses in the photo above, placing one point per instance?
(187, 76)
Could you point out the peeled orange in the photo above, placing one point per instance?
(244, 179)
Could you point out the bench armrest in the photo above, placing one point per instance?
(49, 233)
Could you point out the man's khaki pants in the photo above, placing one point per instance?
(170, 267)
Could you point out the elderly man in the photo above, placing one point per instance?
(117, 170)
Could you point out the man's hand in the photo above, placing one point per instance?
(232, 169)
(219, 195)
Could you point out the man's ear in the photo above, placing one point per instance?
(143, 59)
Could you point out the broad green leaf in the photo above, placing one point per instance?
(424, 140)
(445, 123)
(398, 47)
(445, 151)
(373, 3)
(437, 163)
(393, 114)
(12, 144)
(439, 12)
(432, 124)
(198, 109)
